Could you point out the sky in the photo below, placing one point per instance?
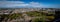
(29, 3)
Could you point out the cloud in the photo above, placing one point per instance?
(34, 4)
(11, 3)
(18, 4)
(14, 4)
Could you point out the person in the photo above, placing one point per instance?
(57, 16)
(1, 19)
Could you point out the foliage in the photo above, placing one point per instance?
(14, 16)
(39, 14)
(35, 13)
(39, 19)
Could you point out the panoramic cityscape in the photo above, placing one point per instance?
(29, 10)
(27, 14)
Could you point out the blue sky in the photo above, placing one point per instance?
(30, 3)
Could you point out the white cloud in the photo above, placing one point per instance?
(34, 4)
(21, 4)
(11, 3)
